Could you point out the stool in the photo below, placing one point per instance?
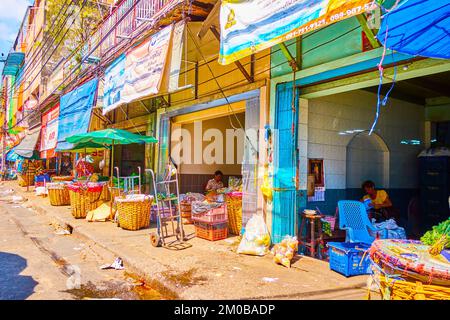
(315, 240)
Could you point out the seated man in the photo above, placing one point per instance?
(216, 182)
(380, 206)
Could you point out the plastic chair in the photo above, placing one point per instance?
(354, 220)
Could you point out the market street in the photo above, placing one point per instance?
(48, 260)
(38, 263)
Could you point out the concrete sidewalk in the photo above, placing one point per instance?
(206, 270)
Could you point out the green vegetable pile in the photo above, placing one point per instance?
(433, 235)
(326, 228)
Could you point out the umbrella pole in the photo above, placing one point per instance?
(111, 165)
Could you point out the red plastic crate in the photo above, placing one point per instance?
(215, 216)
(211, 232)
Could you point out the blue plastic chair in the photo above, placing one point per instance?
(354, 220)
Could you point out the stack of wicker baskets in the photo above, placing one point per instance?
(186, 211)
(134, 211)
(25, 179)
(234, 211)
(58, 194)
(84, 198)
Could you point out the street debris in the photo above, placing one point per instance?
(117, 265)
(62, 232)
(7, 192)
(267, 279)
(13, 199)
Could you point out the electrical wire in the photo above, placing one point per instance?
(221, 90)
(31, 64)
(92, 51)
(59, 43)
(31, 60)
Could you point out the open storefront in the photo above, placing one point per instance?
(214, 137)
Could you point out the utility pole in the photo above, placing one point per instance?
(3, 131)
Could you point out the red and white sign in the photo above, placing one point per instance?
(49, 133)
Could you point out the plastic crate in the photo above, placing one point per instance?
(345, 258)
(213, 216)
(211, 232)
(42, 178)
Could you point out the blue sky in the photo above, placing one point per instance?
(11, 15)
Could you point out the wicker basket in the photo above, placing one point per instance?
(62, 178)
(134, 211)
(58, 194)
(25, 180)
(106, 194)
(84, 199)
(411, 290)
(234, 210)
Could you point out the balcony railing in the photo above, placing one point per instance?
(143, 11)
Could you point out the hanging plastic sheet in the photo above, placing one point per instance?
(75, 112)
(12, 156)
(419, 28)
(27, 146)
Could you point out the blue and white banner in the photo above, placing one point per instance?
(75, 112)
(248, 27)
(114, 82)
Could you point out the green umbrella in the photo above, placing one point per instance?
(110, 137)
(86, 147)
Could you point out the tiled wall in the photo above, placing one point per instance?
(325, 132)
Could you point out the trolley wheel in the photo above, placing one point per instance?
(155, 240)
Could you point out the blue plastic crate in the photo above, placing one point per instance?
(345, 258)
(42, 178)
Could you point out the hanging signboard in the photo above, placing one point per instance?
(114, 82)
(248, 27)
(143, 71)
(177, 52)
(49, 132)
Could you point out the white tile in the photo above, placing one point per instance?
(334, 181)
(303, 131)
(315, 150)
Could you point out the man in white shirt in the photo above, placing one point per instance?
(216, 182)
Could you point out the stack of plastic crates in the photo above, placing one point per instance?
(211, 225)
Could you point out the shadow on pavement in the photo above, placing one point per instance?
(13, 286)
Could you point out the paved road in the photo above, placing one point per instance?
(37, 263)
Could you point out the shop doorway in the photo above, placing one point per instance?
(367, 159)
(201, 147)
(128, 158)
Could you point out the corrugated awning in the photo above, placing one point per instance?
(419, 28)
(12, 63)
(28, 145)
